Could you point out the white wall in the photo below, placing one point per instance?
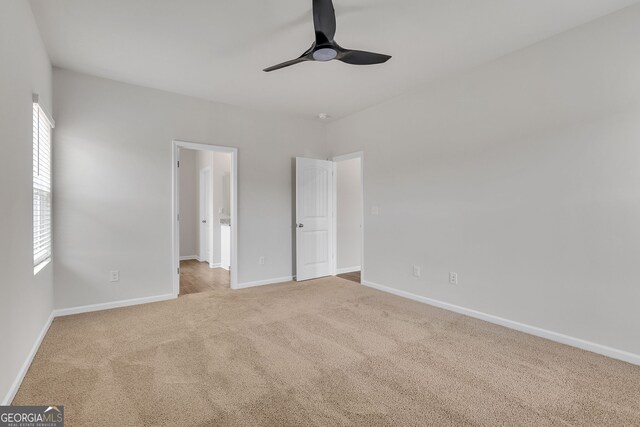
(523, 176)
(113, 171)
(349, 214)
(25, 301)
(188, 204)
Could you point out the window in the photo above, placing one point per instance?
(41, 185)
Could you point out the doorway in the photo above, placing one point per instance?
(329, 212)
(205, 230)
(349, 216)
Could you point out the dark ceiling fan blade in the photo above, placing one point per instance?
(286, 64)
(325, 48)
(324, 21)
(360, 57)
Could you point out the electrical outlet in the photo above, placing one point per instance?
(114, 276)
(453, 278)
(416, 271)
(375, 211)
(261, 260)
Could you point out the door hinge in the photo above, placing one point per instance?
(178, 270)
(178, 217)
(178, 163)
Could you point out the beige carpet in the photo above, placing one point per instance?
(326, 352)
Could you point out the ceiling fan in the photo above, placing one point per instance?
(325, 48)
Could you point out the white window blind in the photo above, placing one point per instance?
(41, 185)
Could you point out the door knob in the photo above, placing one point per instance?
(300, 225)
(204, 221)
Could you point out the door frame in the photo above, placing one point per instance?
(208, 242)
(336, 159)
(175, 202)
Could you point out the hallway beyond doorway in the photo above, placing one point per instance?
(196, 277)
(354, 276)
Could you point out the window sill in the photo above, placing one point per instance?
(40, 266)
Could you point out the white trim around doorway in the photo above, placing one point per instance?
(175, 235)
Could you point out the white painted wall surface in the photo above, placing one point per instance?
(188, 204)
(25, 301)
(113, 170)
(523, 176)
(348, 214)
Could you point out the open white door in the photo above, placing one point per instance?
(205, 215)
(314, 218)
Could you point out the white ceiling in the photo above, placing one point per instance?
(216, 49)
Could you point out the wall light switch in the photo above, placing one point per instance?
(375, 211)
(114, 276)
(261, 260)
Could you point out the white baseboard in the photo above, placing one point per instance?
(223, 267)
(109, 305)
(348, 270)
(532, 330)
(264, 282)
(216, 265)
(27, 363)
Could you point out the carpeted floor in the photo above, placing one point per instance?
(325, 352)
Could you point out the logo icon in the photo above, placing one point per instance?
(32, 416)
